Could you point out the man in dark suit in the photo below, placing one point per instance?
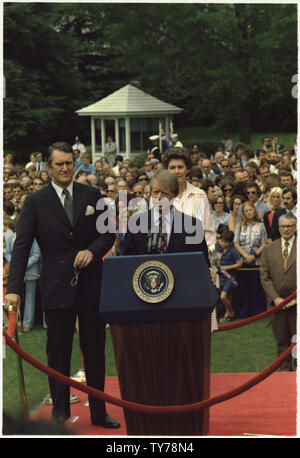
(289, 200)
(62, 218)
(278, 275)
(163, 229)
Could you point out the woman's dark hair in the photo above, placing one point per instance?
(177, 153)
(236, 196)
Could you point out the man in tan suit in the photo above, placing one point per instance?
(278, 275)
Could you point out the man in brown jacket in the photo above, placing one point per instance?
(278, 275)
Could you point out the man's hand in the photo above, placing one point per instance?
(289, 304)
(83, 259)
(278, 300)
(249, 258)
(13, 300)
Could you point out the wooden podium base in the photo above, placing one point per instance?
(164, 364)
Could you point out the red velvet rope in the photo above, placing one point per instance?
(12, 323)
(141, 407)
(259, 316)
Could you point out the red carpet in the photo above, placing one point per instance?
(268, 408)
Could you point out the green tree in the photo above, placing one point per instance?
(43, 84)
(226, 63)
(232, 61)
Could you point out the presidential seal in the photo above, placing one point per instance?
(153, 281)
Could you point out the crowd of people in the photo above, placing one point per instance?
(238, 193)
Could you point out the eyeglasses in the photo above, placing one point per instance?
(74, 280)
(227, 189)
(143, 179)
(251, 192)
(288, 226)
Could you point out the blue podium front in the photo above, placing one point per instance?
(159, 310)
(160, 288)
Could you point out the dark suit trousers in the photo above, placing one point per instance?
(60, 331)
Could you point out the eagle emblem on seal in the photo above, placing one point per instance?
(153, 281)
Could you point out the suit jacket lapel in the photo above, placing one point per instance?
(174, 237)
(55, 205)
(292, 256)
(78, 203)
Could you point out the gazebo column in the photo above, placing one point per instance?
(159, 133)
(127, 138)
(93, 138)
(103, 135)
(167, 121)
(117, 137)
(171, 125)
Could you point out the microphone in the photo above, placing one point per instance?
(159, 243)
(149, 244)
(154, 242)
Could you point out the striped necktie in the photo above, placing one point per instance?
(164, 235)
(285, 254)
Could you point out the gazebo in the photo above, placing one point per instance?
(130, 116)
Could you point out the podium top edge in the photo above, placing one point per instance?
(156, 256)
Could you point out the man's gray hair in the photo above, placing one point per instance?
(288, 216)
(165, 178)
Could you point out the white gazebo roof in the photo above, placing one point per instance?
(129, 101)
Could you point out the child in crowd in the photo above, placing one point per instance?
(85, 165)
(229, 261)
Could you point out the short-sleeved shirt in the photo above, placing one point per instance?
(251, 237)
(230, 257)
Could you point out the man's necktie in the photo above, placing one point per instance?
(164, 235)
(68, 205)
(285, 254)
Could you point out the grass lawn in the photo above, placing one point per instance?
(200, 135)
(247, 349)
(191, 135)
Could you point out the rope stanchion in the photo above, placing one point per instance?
(141, 407)
(257, 317)
(12, 323)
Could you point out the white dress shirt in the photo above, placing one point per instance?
(290, 242)
(59, 191)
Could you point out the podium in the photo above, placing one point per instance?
(159, 310)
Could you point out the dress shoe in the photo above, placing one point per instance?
(73, 399)
(22, 330)
(106, 422)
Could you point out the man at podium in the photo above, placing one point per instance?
(180, 374)
(164, 229)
